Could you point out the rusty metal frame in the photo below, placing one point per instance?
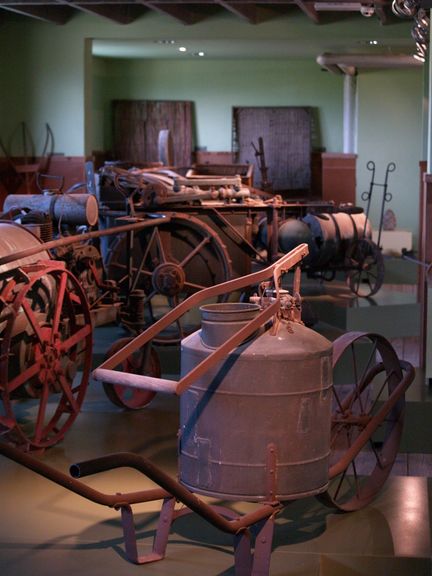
(105, 372)
(252, 530)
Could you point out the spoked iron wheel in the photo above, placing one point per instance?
(137, 363)
(365, 268)
(367, 419)
(47, 336)
(169, 262)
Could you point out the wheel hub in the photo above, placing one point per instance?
(168, 279)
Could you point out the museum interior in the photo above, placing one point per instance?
(210, 210)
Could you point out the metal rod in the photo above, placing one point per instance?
(284, 264)
(110, 500)
(66, 240)
(206, 511)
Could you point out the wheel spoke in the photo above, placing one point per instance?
(140, 270)
(81, 334)
(59, 305)
(163, 239)
(197, 249)
(23, 377)
(33, 320)
(67, 392)
(194, 286)
(43, 401)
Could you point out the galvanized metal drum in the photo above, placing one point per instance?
(257, 426)
(335, 233)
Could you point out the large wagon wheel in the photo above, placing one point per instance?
(137, 363)
(365, 265)
(367, 420)
(47, 337)
(170, 261)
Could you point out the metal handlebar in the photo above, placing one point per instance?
(105, 372)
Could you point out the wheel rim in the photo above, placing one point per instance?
(170, 262)
(375, 374)
(58, 335)
(366, 268)
(137, 363)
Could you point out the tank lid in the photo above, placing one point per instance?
(229, 312)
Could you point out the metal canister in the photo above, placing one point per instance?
(15, 238)
(257, 426)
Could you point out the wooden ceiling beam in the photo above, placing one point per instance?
(118, 13)
(308, 8)
(252, 13)
(175, 9)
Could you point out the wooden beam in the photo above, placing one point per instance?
(118, 13)
(249, 12)
(308, 8)
(175, 9)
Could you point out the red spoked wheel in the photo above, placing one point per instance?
(139, 362)
(367, 419)
(47, 338)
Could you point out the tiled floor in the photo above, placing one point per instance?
(47, 531)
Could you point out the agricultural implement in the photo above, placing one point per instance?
(57, 282)
(308, 436)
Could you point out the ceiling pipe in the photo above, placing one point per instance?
(348, 63)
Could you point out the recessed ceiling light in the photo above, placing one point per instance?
(201, 53)
(165, 41)
(373, 42)
(182, 49)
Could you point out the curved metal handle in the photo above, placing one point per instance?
(106, 373)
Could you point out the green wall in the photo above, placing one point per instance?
(390, 130)
(215, 86)
(44, 79)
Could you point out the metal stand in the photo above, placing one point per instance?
(386, 197)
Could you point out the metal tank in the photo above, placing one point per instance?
(257, 426)
(333, 234)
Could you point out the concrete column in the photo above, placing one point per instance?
(350, 114)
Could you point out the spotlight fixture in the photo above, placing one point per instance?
(405, 8)
(420, 30)
(165, 41)
(419, 57)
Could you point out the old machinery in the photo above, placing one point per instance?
(252, 224)
(305, 439)
(216, 229)
(46, 337)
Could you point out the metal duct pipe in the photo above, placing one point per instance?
(348, 63)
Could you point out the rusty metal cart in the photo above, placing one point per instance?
(293, 435)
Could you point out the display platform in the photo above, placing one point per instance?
(392, 313)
